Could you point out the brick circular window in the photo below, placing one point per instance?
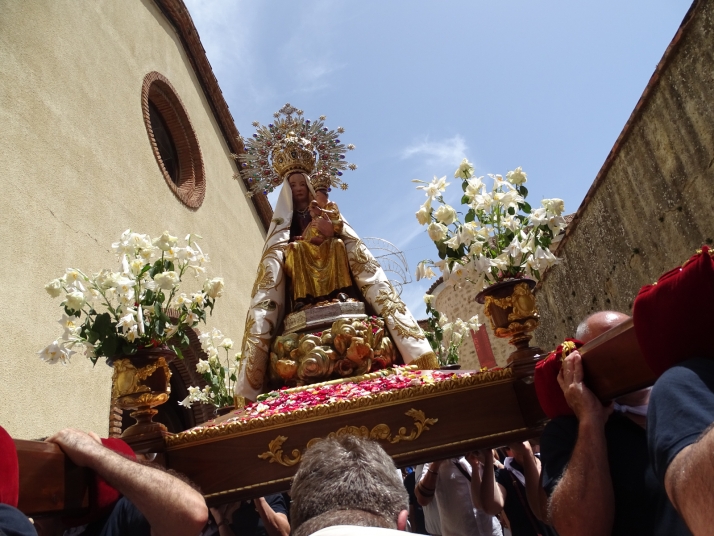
(173, 140)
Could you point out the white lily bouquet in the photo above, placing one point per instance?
(220, 375)
(446, 337)
(116, 313)
(498, 237)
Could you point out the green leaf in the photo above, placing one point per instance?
(178, 351)
(169, 265)
(233, 377)
(145, 269)
(523, 191)
(464, 185)
(157, 268)
(470, 216)
(464, 199)
(511, 211)
(526, 208)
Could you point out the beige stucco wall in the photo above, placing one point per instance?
(461, 303)
(654, 206)
(76, 170)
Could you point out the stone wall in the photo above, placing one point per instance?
(462, 304)
(651, 205)
(78, 169)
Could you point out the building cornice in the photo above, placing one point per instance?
(179, 17)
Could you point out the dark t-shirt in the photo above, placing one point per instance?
(522, 521)
(641, 504)
(681, 408)
(247, 521)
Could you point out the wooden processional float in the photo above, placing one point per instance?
(415, 425)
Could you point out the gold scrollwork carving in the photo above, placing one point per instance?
(255, 356)
(427, 361)
(127, 378)
(380, 432)
(391, 305)
(361, 261)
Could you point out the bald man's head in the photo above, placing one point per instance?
(597, 324)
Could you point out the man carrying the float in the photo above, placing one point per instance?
(321, 306)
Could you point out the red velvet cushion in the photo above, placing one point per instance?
(9, 470)
(673, 317)
(550, 395)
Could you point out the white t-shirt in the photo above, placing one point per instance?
(453, 499)
(432, 523)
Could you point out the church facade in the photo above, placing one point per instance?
(112, 119)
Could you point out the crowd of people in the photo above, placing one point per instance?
(642, 464)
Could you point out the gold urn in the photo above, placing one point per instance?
(141, 382)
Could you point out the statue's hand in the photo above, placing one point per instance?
(324, 227)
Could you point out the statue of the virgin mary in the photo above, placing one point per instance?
(315, 269)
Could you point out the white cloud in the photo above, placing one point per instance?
(446, 152)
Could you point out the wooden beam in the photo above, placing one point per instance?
(614, 364)
(49, 482)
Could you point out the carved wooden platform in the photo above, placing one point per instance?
(416, 425)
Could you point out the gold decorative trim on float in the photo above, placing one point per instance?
(428, 361)
(206, 434)
(380, 432)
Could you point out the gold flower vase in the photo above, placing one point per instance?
(511, 308)
(140, 383)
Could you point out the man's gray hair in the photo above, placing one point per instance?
(346, 473)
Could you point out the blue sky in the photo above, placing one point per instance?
(420, 85)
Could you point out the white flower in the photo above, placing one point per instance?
(482, 201)
(514, 248)
(125, 286)
(127, 322)
(556, 224)
(186, 402)
(468, 233)
(538, 217)
(435, 187)
(500, 262)
(197, 298)
(72, 277)
(260, 408)
(74, 301)
(481, 264)
(445, 214)
(167, 280)
(149, 253)
(226, 343)
(553, 206)
(136, 265)
(436, 231)
(465, 170)
(423, 215)
(54, 288)
(214, 287)
(182, 300)
(453, 242)
(132, 333)
(55, 353)
(213, 359)
(473, 323)
(428, 299)
(192, 319)
(171, 330)
(444, 267)
(474, 187)
(70, 324)
(517, 176)
(423, 271)
(165, 242)
(203, 366)
(509, 198)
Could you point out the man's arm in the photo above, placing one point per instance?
(276, 523)
(486, 494)
(583, 502)
(170, 506)
(535, 494)
(426, 487)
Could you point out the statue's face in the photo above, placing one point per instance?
(298, 187)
